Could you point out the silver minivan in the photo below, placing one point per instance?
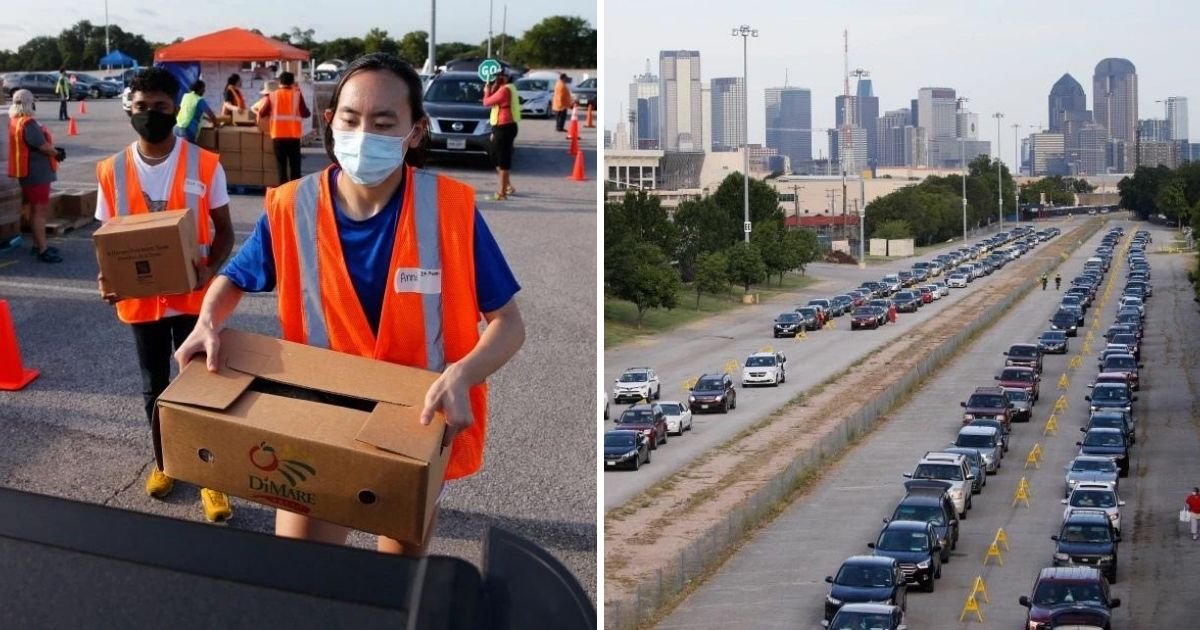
(987, 441)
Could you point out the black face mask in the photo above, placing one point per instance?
(153, 126)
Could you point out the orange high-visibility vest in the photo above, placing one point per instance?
(18, 151)
(239, 101)
(122, 190)
(285, 113)
(430, 314)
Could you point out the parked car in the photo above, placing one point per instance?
(873, 616)
(867, 317)
(459, 124)
(764, 368)
(987, 441)
(1022, 403)
(1124, 363)
(914, 545)
(648, 419)
(1095, 496)
(908, 301)
(1088, 538)
(1110, 396)
(929, 500)
(1054, 342)
(637, 383)
(1065, 321)
(535, 92)
(787, 324)
(41, 84)
(999, 426)
(97, 87)
(1023, 377)
(811, 316)
(987, 402)
(679, 417)
(626, 449)
(585, 93)
(1112, 419)
(975, 462)
(1108, 443)
(860, 579)
(951, 469)
(1085, 468)
(713, 392)
(1067, 589)
(1024, 355)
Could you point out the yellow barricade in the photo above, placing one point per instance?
(1063, 383)
(731, 366)
(801, 336)
(1087, 347)
(1034, 457)
(1021, 495)
(993, 552)
(1051, 425)
(830, 324)
(980, 589)
(688, 384)
(1001, 539)
(1076, 362)
(1060, 405)
(970, 607)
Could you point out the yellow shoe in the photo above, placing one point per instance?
(216, 505)
(159, 485)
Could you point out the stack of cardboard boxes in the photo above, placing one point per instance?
(10, 208)
(247, 155)
(69, 209)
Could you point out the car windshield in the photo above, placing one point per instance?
(853, 620)
(1097, 465)
(1081, 533)
(533, 85)
(1050, 594)
(1110, 394)
(1093, 499)
(1056, 335)
(1103, 438)
(1106, 422)
(788, 318)
(1115, 364)
(892, 540)
(618, 440)
(986, 401)
(1125, 339)
(943, 472)
(1064, 316)
(671, 409)
(1024, 376)
(807, 311)
(636, 416)
(967, 440)
(634, 377)
(1022, 351)
(709, 384)
(1126, 318)
(928, 513)
(465, 90)
(864, 577)
(760, 361)
(1017, 395)
(864, 312)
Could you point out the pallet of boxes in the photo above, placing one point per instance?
(71, 209)
(247, 154)
(10, 211)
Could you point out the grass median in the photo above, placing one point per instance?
(620, 316)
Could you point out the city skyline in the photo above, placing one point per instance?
(979, 36)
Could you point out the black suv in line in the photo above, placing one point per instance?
(713, 392)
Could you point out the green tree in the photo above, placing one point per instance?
(377, 40)
(1172, 201)
(641, 217)
(641, 274)
(712, 274)
(558, 41)
(893, 229)
(414, 47)
(800, 248)
(1139, 191)
(769, 240)
(454, 50)
(703, 227)
(746, 264)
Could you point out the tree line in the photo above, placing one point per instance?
(649, 254)
(555, 42)
(1170, 195)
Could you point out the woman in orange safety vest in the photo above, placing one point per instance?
(376, 257)
(32, 160)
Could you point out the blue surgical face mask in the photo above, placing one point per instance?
(368, 158)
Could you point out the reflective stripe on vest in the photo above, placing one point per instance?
(425, 196)
(18, 154)
(192, 158)
(285, 124)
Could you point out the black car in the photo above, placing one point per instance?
(41, 84)
(907, 301)
(625, 449)
(1107, 443)
(867, 317)
(97, 87)
(866, 579)
(1053, 342)
(873, 616)
(713, 392)
(1024, 355)
(459, 124)
(914, 545)
(811, 317)
(1111, 396)
(1112, 419)
(928, 500)
(1087, 538)
(1129, 340)
(1065, 321)
(788, 324)
(843, 304)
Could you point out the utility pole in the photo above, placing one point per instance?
(745, 32)
(862, 222)
(999, 178)
(490, 3)
(1016, 150)
(962, 158)
(796, 197)
(503, 29)
(432, 54)
(106, 49)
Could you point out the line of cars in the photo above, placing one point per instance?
(644, 426)
(1075, 589)
(41, 84)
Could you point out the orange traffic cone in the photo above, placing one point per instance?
(573, 128)
(589, 123)
(71, 130)
(82, 107)
(577, 174)
(12, 375)
(574, 148)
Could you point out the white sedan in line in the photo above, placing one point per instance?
(679, 416)
(957, 281)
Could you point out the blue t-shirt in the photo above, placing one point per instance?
(194, 126)
(367, 248)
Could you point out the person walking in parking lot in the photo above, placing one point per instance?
(1057, 282)
(561, 103)
(506, 113)
(62, 89)
(32, 159)
(1045, 280)
(282, 115)
(1193, 508)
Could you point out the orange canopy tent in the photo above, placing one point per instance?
(231, 44)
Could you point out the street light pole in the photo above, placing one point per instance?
(862, 222)
(106, 49)
(962, 159)
(999, 177)
(490, 3)
(432, 54)
(745, 32)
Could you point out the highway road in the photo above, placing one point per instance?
(777, 579)
(707, 346)
(78, 431)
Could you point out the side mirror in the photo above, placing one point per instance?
(908, 475)
(1054, 537)
(829, 579)
(1088, 398)
(1024, 601)
(1083, 429)
(1120, 503)
(1079, 444)
(1063, 501)
(1134, 399)
(871, 545)
(1116, 601)
(1005, 353)
(962, 404)
(970, 477)
(1118, 538)
(824, 623)
(996, 378)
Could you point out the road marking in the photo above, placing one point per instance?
(7, 264)
(48, 287)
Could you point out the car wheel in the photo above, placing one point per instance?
(95, 93)
(664, 440)
(647, 456)
(725, 407)
(963, 516)
(658, 393)
(929, 586)
(637, 463)
(733, 403)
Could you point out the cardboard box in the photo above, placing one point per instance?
(252, 162)
(333, 436)
(207, 139)
(251, 140)
(77, 203)
(229, 140)
(231, 161)
(244, 117)
(149, 254)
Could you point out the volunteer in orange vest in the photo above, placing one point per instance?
(161, 171)
(235, 101)
(32, 159)
(282, 116)
(376, 257)
(562, 102)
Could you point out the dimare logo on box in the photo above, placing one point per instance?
(142, 267)
(283, 493)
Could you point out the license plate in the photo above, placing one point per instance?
(611, 463)
(704, 406)
(456, 143)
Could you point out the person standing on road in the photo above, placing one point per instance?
(506, 113)
(32, 159)
(561, 103)
(62, 89)
(191, 108)
(1193, 508)
(340, 248)
(1057, 282)
(234, 101)
(282, 116)
(161, 172)
(1045, 280)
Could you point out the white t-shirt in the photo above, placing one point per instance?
(156, 183)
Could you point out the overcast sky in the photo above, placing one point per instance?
(458, 20)
(1003, 56)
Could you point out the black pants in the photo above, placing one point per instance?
(560, 121)
(287, 158)
(62, 110)
(503, 137)
(156, 342)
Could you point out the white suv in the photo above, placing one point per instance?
(637, 384)
(1098, 496)
(951, 468)
(764, 368)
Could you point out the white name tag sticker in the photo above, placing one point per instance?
(194, 187)
(414, 280)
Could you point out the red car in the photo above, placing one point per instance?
(649, 420)
(1025, 378)
(926, 295)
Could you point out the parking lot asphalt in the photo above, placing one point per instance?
(779, 574)
(708, 345)
(78, 431)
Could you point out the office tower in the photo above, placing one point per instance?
(643, 102)
(706, 117)
(1065, 96)
(890, 131)
(967, 125)
(1114, 97)
(937, 108)
(914, 112)
(1044, 147)
(789, 123)
(1093, 139)
(1153, 130)
(681, 107)
(854, 140)
(728, 113)
(1177, 117)
(867, 111)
